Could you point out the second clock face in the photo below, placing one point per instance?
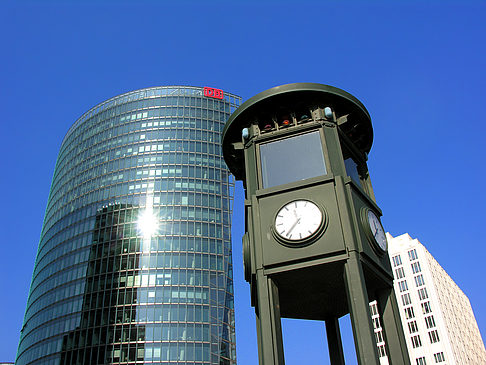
(298, 220)
(377, 230)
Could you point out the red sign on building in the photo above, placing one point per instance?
(213, 93)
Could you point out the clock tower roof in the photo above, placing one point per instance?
(290, 98)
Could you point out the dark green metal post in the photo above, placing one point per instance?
(364, 338)
(268, 322)
(334, 343)
(395, 341)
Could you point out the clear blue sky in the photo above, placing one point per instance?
(419, 67)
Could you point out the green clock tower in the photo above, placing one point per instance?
(314, 247)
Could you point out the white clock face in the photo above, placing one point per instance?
(298, 220)
(377, 230)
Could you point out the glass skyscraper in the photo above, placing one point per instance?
(134, 260)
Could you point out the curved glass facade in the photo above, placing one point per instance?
(134, 261)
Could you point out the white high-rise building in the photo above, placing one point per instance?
(437, 318)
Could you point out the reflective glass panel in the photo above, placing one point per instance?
(292, 159)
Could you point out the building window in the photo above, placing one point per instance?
(439, 357)
(429, 321)
(421, 361)
(381, 351)
(406, 299)
(412, 327)
(379, 336)
(403, 285)
(409, 313)
(376, 322)
(416, 267)
(412, 255)
(422, 292)
(397, 260)
(426, 308)
(416, 342)
(434, 336)
(399, 273)
(419, 280)
(373, 308)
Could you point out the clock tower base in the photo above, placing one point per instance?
(347, 285)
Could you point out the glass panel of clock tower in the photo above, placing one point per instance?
(292, 159)
(134, 260)
(352, 170)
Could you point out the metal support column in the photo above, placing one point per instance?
(396, 345)
(336, 353)
(269, 328)
(364, 338)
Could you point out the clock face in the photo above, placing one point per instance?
(377, 230)
(298, 220)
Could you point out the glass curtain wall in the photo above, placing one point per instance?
(134, 261)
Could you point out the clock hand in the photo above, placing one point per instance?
(293, 226)
(376, 229)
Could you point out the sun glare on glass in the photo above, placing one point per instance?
(147, 223)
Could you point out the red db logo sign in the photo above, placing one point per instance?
(213, 93)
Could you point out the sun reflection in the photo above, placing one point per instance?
(147, 223)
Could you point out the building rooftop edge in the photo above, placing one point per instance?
(83, 116)
(416, 242)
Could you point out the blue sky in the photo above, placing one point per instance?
(418, 67)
